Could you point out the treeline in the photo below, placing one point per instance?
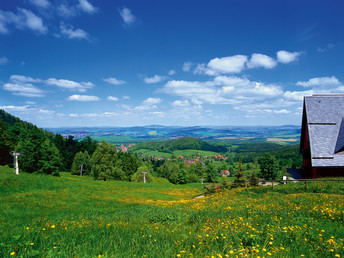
(43, 151)
(185, 143)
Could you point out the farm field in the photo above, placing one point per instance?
(72, 216)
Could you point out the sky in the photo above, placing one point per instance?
(76, 63)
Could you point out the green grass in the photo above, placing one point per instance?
(72, 216)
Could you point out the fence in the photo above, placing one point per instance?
(293, 180)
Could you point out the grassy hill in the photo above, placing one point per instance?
(184, 143)
(72, 216)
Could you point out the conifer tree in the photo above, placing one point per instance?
(239, 176)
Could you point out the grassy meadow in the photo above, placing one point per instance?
(72, 216)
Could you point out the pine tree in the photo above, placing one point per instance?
(254, 179)
(239, 176)
(50, 161)
(270, 167)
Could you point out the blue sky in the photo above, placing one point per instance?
(126, 63)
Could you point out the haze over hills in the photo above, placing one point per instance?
(286, 133)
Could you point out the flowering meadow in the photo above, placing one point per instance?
(73, 216)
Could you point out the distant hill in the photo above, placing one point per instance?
(184, 143)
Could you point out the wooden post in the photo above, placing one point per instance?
(306, 184)
(15, 161)
(144, 176)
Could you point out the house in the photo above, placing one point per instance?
(322, 135)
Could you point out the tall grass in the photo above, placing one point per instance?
(74, 216)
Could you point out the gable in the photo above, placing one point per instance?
(324, 116)
(340, 139)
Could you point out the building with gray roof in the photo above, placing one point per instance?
(322, 135)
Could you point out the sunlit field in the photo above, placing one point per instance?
(72, 216)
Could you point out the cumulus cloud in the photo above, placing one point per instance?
(320, 82)
(70, 85)
(222, 90)
(23, 19)
(83, 98)
(151, 101)
(260, 60)
(112, 98)
(114, 81)
(127, 16)
(181, 103)
(317, 85)
(229, 64)
(154, 79)
(286, 57)
(71, 33)
(87, 7)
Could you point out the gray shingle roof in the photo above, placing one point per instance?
(325, 115)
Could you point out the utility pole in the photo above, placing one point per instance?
(15, 161)
(144, 176)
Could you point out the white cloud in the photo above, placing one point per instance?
(171, 72)
(154, 79)
(225, 65)
(222, 90)
(70, 85)
(126, 97)
(320, 82)
(41, 3)
(87, 7)
(286, 57)
(83, 98)
(70, 32)
(66, 11)
(151, 101)
(32, 21)
(127, 16)
(260, 60)
(114, 81)
(187, 66)
(181, 103)
(23, 19)
(30, 102)
(3, 60)
(112, 98)
(21, 78)
(24, 89)
(14, 108)
(297, 95)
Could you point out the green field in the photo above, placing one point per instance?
(72, 216)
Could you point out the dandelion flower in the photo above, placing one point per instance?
(13, 253)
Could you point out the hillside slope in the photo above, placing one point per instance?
(184, 143)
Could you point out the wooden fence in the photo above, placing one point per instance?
(293, 180)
